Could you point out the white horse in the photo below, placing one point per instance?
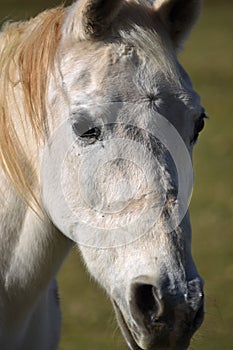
(97, 126)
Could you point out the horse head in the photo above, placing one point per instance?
(117, 169)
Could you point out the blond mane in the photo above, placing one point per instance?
(27, 52)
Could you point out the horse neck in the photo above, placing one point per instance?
(31, 253)
(31, 248)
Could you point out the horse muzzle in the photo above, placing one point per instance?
(155, 319)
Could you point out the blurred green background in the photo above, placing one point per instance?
(88, 319)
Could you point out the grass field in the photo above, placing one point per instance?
(88, 319)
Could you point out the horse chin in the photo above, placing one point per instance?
(132, 343)
(125, 329)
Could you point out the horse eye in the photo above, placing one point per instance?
(85, 130)
(199, 126)
(91, 133)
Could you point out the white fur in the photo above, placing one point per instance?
(31, 248)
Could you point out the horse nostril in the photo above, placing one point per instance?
(145, 303)
(153, 308)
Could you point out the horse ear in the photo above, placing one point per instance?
(179, 17)
(91, 18)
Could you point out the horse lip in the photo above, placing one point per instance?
(125, 329)
(129, 338)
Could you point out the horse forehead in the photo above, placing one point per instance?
(118, 72)
(120, 67)
(136, 47)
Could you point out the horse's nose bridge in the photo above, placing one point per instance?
(122, 180)
(133, 181)
(130, 173)
(137, 163)
(155, 161)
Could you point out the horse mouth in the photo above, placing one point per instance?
(125, 329)
(129, 336)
